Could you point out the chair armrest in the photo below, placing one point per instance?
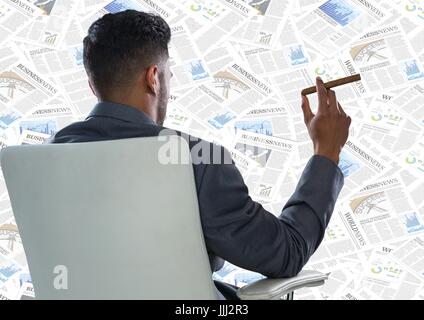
(272, 289)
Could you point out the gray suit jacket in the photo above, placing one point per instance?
(235, 227)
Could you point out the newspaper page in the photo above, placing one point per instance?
(11, 244)
(56, 62)
(205, 106)
(32, 137)
(271, 154)
(219, 57)
(241, 87)
(15, 15)
(269, 118)
(186, 62)
(232, 92)
(263, 28)
(55, 108)
(26, 291)
(27, 89)
(412, 10)
(290, 54)
(411, 256)
(243, 163)
(338, 240)
(388, 126)
(339, 279)
(395, 164)
(7, 57)
(91, 5)
(219, 18)
(385, 59)
(410, 101)
(290, 83)
(384, 211)
(49, 28)
(9, 270)
(18, 285)
(359, 166)
(180, 16)
(386, 278)
(304, 4)
(49, 119)
(334, 24)
(415, 191)
(413, 159)
(341, 272)
(114, 6)
(380, 213)
(76, 91)
(414, 38)
(74, 35)
(176, 118)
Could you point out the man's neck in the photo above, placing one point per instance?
(144, 107)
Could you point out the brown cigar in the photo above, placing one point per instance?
(333, 83)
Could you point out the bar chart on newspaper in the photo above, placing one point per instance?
(239, 68)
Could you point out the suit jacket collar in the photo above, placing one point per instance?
(121, 112)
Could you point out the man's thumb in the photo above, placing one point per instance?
(307, 112)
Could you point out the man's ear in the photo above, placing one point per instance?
(92, 88)
(152, 79)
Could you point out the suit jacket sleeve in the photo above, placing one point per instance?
(241, 231)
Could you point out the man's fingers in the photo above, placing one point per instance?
(332, 101)
(341, 110)
(322, 96)
(306, 108)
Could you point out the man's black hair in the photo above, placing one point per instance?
(118, 46)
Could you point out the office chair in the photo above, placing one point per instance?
(107, 220)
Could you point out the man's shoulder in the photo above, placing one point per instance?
(102, 128)
(90, 130)
(73, 132)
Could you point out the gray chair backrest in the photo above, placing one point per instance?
(107, 220)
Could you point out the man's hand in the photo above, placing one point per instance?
(329, 127)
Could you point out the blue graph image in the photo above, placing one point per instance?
(348, 164)
(48, 127)
(7, 118)
(340, 11)
(7, 271)
(262, 126)
(122, 5)
(412, 223)
(196, 70)
(296, 55)
(24, 278)
(224, 271)
(77, 52)
(247, 277)
(411, 70)
(220, 120)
